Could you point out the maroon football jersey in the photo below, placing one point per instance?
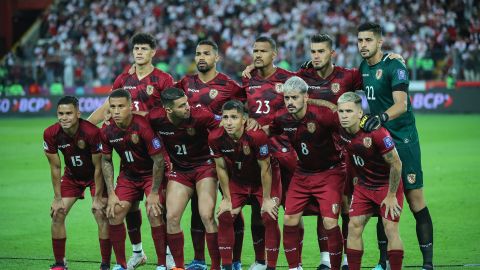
(365, 153)
(212, 94)
(187, 144)
(77, 150)
(331, 88)
(241, 157)
(145, 92)
(312, 137)
(264, 99)
(134, 144)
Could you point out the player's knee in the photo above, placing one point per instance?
(391, 229)
(207, 217)
(268, 220)
(290, 220)
(173, 218)
(354, 226)
(100, 217)
(59, 219)
(330, 223)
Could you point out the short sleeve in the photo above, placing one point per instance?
(214, 148)
(383, 141)
(106, 147)
(95, 141)
(49, 142)
(399, 73)
(153, 143)
(357, 81)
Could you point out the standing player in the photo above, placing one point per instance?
(145, 85)
(79, 142)
(209, 89)
(245, 172)
(378, 189)
(320, 172)
(385, 82)
(185, 134)
(264, 98)
(141, 171)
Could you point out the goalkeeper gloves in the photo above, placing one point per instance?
(371, 122)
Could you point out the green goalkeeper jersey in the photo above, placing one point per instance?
(379, 81)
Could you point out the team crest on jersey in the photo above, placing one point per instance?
(213, 93)
(135, 138)
(311, 127)
(355, 181)
(379, 73)
(335, 87)
(335, 208)
(150, 89)
(367, 142)
(81, 144)
(246, 150)
(412, 178)
(191, 131)
(279, 87)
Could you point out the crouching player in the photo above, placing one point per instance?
(78, 140)
(245, 170)
(378, 189)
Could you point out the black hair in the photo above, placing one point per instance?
(371, 27)
(68, 100)
(210, 43)
(144, 38)
(171, 94)
(119, 93)
(269, 40)
(234, 104)
(320, 38)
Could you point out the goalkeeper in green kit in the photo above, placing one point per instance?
(385, 82)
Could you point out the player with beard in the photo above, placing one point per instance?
(264, 98)
(141, 172)
(320, 171)
(245, 172)
(184, 131)
(79, 142)
(210, 89)
(385, 82)
(145, 83)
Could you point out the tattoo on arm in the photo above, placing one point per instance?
(158, 170)
(393, 160)
(107, 169)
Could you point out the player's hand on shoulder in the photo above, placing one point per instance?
(57, 207)
(247, 71)
(252, 124)
(307, 64)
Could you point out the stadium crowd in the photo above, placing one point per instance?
(85, 42)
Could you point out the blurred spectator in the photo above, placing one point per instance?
(85, 42)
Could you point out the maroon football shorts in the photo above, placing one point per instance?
(325, 187)
(192, 177)
(367, 201)
(72, 188)
(241, 193)
(131, 191)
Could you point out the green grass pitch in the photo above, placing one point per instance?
(451, 163)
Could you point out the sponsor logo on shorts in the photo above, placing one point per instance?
(191, 131)
(156, 143)
(213, 93)
(335, 208)
(311, 127)
(264, 150)
(45, 145)
(335, 87)
(412, 178)
(81, 144)
(279, 87)
(246, 149)
(378, 74)
(388, 142)
(135, 138)
(150, 89)
(367, 142)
